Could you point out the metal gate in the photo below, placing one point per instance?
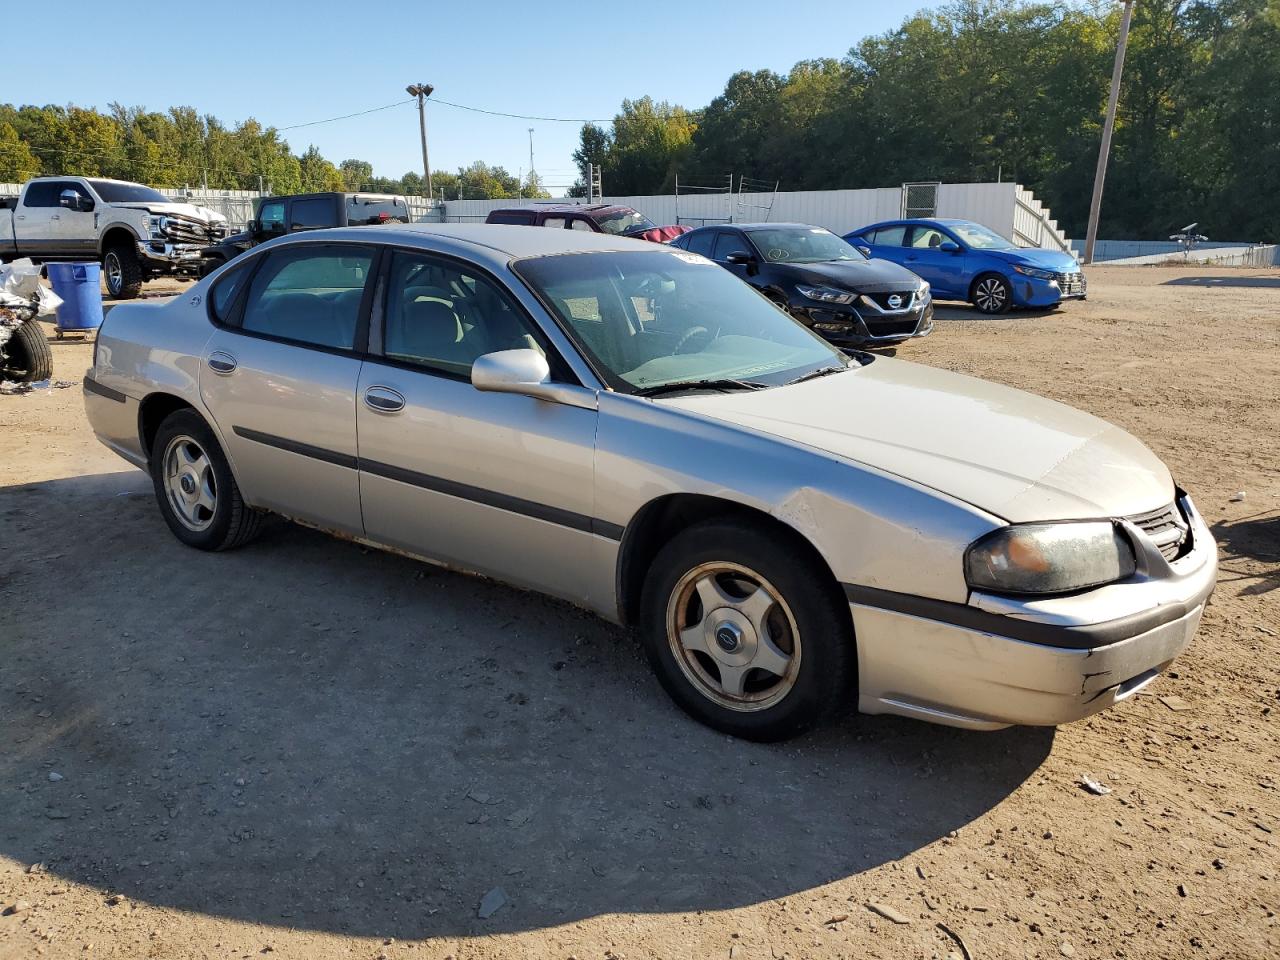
(919, 200)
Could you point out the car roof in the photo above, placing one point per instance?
(513, 240)
(757, 226)
(562, 208)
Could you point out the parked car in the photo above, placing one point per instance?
(135, 231)
(594, 218)
(820, 280)
(277, 216)
(624, 426)
(963, 260)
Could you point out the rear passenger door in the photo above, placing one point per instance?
(498, 483)
(279, 376)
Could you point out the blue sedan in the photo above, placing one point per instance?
(963, 260)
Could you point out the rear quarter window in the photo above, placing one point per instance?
(222, 297)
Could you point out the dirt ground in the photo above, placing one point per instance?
(308, 749)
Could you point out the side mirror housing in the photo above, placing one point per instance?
(72, 200)
(949, 246)
(527, 373)
(740, 257)
(863, 249)
(253, 226)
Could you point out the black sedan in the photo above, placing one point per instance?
(821, 280)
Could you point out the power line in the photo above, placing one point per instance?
(346, 116)
(525, 116)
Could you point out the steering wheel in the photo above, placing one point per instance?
(687, 336)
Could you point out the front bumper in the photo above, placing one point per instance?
(998, 661)
(862, 325)
(170, 257)
(1034, 292)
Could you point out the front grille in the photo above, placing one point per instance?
(1070, 283)
(180, 229)
(1166, 528)
(881, 299)
(891, 328)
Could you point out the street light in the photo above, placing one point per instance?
(422, 91)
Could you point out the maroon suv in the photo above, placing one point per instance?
(598, 217)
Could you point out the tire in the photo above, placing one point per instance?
(779, 301)
(207, 513)
(123, 271)
(991, 293)
(27, 357)
(758, 577)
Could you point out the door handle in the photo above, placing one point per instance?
(383, 399)
(223, 363)
(21, 216)
(55, 217)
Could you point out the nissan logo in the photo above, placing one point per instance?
(895, 301)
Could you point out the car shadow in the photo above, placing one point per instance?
(308, 733)
(962, 311)
(1227, 281)
(1253, 538)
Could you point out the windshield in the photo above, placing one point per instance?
(651, 319)
(126, 192)
(979, 237)
(624, 222)
(802, 245)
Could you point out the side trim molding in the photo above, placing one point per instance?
(452, 488)
(1083, 637)
(93, 386)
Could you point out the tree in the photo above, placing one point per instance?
(17, 162)
(356, 173)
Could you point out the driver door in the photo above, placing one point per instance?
(730, 242)
(944, 270)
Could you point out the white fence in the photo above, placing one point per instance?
(1261, 255)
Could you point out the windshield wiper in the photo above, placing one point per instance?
(720, 384)
(814, 374)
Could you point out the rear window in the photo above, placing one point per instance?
(361, 212)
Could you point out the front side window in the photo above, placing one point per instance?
(927, 238)
(729, 241)
(978, 237)
(309, 293)
(802, 245)
(271, 216)
(443, 316)
(699, 322)
(577, 223)
(312, 214)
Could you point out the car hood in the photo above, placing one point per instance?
(1013, 454)
(1054, 260)
(864, 276)
(177, 209)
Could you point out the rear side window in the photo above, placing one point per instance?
(888, 236)
(524, 219)
(555, 223)
(699, 242)
(309, 294)
(223, 296)
(42, 194)
(311, 214)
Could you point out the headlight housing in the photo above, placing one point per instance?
(1034, 272)
(825, 294)
(923, 290)
(1041, 558)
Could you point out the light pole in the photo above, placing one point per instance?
(532, 175)
(1108, 125)
(422, 91)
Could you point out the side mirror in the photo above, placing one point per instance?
(865, 251)
(254, 226)
(740, 257)
(72, 200)
(949, 246)
(525, 372)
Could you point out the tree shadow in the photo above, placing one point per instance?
(1227, 281)
(1254, 538)
(311, 734)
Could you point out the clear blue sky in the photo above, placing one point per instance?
(287, 62)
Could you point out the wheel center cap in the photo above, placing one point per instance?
(728, 637)
(188, 484)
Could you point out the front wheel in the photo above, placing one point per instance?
(123, 271)
(992, 293)
(198, 496)
(746, 631)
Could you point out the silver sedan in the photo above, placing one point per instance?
(790, 529)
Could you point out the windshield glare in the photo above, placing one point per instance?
(979, 237)
(127, 192)
(620, 223)
(802, 245)
(650, 319)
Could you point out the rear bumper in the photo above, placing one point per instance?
(1039, 663)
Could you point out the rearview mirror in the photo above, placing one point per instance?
(525, 372)
(949, 246)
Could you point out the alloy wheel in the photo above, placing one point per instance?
(990, 295)
(115, 273)
(189, 483)
(733, 636)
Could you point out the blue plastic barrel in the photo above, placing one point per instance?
(79, 286)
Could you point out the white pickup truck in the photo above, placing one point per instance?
(135, 231)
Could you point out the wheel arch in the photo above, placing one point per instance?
(153, 410)
(116, 233)
(662, 518)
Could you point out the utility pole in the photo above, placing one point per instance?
(1108, 125)
(422, 91)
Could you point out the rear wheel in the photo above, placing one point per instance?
(27, 358)
(123, 272)
(198, 496)
(745, 631)
(992, 293)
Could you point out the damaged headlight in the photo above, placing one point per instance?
(1049, 558)
(826, 294)
(159, 225)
